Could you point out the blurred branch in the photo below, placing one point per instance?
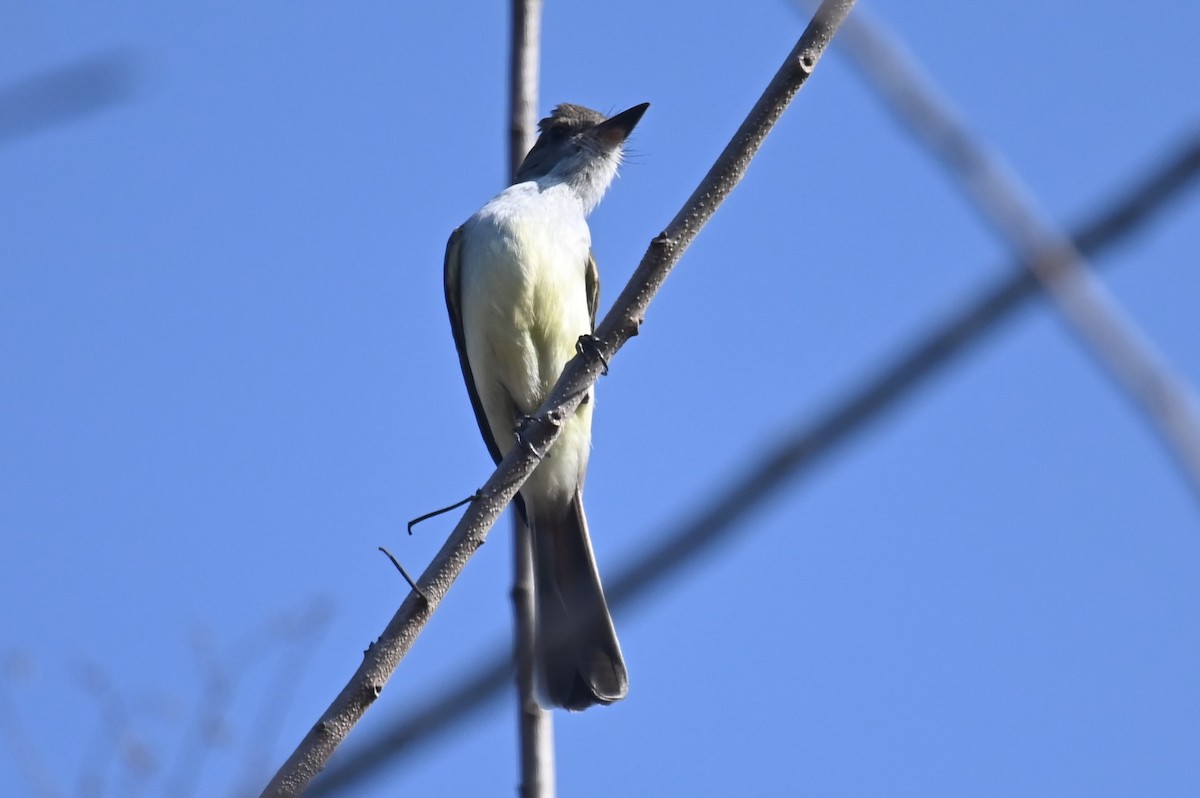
(121, 757)
(1166, 399)
(16, 667)
(67, 93)
(523, 79)
(297, 633)
(535, 726)
(791, 459)
(620, 324)
(115, 743)
(209, 728)
(223, 668)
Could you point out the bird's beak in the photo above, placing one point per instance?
(614, 130)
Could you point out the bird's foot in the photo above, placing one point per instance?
(522, 426)
(589, 345)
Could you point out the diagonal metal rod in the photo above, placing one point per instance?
(1164, 397)
(780, 467)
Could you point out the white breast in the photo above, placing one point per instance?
(524, 306)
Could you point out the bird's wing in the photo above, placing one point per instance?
(592, 282)
(454, 305)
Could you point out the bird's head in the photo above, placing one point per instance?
(580, 148)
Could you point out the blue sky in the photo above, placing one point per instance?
(226, 377)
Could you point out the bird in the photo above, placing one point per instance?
(522, 289)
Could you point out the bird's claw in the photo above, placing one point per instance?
(590, 345)
(519, 430)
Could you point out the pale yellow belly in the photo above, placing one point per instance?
(524, 307)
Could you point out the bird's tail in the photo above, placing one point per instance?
(578, 653)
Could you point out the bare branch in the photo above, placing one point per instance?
(1167, 400)
(618, 326)
(795, 455)
(535, 725)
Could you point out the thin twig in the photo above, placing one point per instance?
(1166, 399)
(535, 725)
(440, 511)
(619, 325)
(795, 455)
(416, 588)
